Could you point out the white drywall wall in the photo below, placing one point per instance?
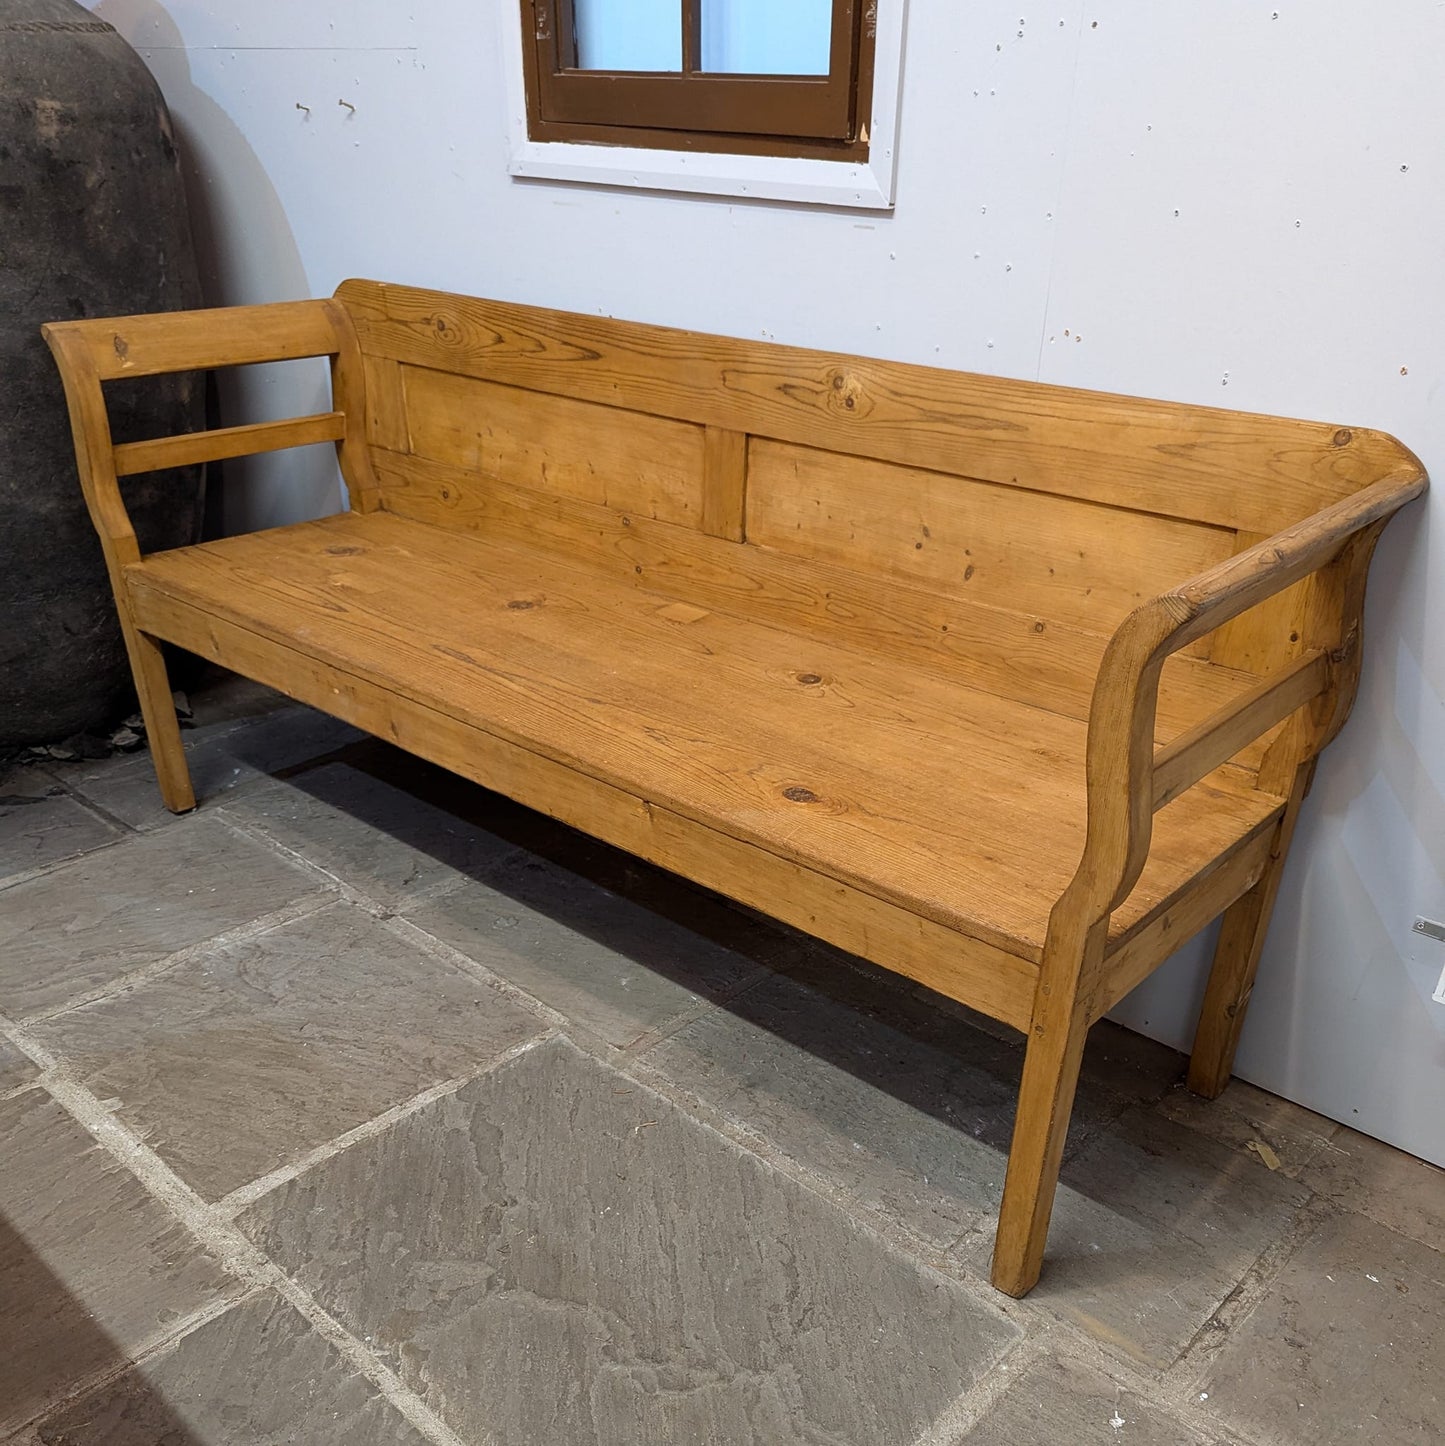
(1238, 203)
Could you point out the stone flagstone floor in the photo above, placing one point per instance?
(362, 1106)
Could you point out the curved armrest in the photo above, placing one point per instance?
(1120, 760)
(91, 352)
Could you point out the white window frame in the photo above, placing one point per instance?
(867, 185)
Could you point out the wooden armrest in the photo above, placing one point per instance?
(92, 352)
(184, 341)
(1242, 582)
(1127, 780)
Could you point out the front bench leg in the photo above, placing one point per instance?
(1055, 1050)
(157, 706)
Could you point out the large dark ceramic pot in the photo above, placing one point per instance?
(92, 223)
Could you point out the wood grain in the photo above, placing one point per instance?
(995, 981)
(1225, 469)
(627, 461)
(1017, 655)
(224, 442)
(1183, 762)
(725, 484)
(965, 807)
(1056, 557)
(181, 341)
(386, 424)
(1134, 956)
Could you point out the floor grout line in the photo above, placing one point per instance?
(897, 1237)
(1181, 1380)
(143, 974)
(161, 1344)
(959, 1418)
(99, 810)
(649, 1039)
(234, 1251)
(41, 871)
(445, 953)
(244, 1196)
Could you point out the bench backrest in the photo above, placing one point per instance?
(939, 512)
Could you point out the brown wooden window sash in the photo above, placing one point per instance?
(692, 109)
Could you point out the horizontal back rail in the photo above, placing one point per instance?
(1225, 469)
(227, 442)
(1179, 765)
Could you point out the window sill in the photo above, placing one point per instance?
(773, 178)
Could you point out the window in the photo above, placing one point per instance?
(784, 98)
(770, 77)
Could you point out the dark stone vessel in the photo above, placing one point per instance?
(92, 222)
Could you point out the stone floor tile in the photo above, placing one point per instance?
(1347, 1346)
(1245, 1117)
(40, 825)
(90, 921)
(616, 965)
(221, 757)
(1059, 1401)
(1153, 1227)
(256, 1376)
(16, 1068)
(874, 1083)
(386, 842)
(248, 1056)
(897, 1105)
(557, 1255)
(92, 1268)
(1397, 1190)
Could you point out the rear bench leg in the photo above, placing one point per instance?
(1236, 962)
(163, 731)
(1046, 1099)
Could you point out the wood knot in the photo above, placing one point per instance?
(808, 679)
(341, 551)
(520, 605)
(798, 794)
(1343, 437)
(847, 394)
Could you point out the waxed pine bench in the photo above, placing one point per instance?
(1008, 688)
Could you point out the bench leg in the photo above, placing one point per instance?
(1236, 962)
(1046, 1099)
(163, 731)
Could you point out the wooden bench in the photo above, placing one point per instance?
(1008, 688)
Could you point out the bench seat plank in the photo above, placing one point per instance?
(963, 807)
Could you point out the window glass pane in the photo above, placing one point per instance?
(628, 34)
(767, 37)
